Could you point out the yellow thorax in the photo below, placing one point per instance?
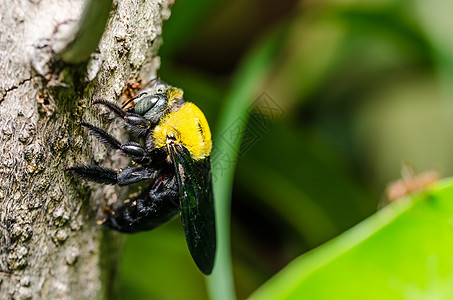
(174, 94)
(190, 128)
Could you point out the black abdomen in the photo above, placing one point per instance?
(151, 208)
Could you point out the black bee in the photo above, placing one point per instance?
(175, 156)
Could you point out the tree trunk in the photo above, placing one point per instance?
(50, 244)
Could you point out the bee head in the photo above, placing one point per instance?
(153, 105)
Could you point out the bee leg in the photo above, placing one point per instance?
(128, 215)
(137, 122)
(132, 149)
(133, 175)
(113, 107)
(136, 151)
(144, 212)
(110, 176)
(95, 173)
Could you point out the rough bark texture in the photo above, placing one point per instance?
(50, 244)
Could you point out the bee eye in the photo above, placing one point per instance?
(146, 103)
(154, 100)
(139, 97)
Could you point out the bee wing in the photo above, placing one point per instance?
(197, 206)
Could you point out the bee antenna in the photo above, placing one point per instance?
(155, 81)
(130, 100)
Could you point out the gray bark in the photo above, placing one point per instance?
(50, 244)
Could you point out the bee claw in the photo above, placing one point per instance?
(108, 210)
(100, 222)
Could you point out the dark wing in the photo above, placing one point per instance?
(197, 206)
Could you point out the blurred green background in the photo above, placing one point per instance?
(352, 90)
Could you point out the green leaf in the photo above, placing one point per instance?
(404, 251)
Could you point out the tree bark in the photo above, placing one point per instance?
(50, 244)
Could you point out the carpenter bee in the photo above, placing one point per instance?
(172, 150)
